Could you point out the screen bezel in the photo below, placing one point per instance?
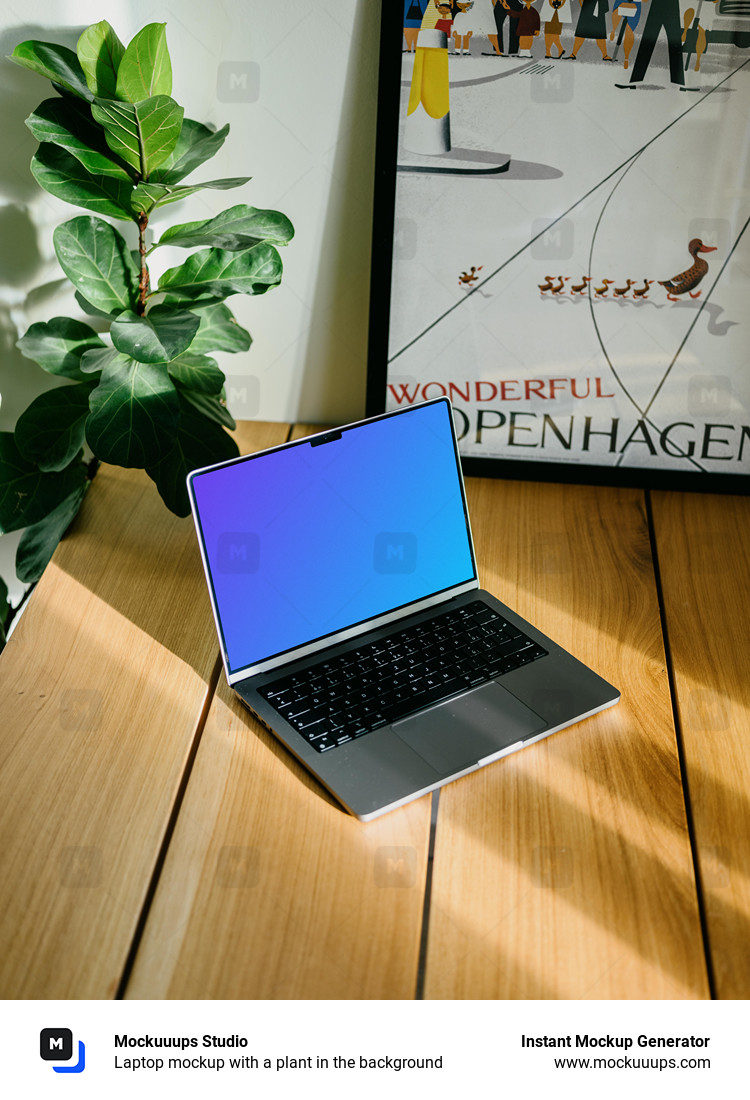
(273, 661)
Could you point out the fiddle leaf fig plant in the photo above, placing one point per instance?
(141, 388)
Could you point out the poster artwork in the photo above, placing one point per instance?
(570, 258)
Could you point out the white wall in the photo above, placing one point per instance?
(297, 81)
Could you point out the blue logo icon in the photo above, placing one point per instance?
(56, 1045)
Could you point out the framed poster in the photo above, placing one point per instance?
(561, 244)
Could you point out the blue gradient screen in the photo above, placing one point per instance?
(308, 540)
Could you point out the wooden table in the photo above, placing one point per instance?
(157, 843)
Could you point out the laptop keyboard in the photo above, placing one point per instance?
(348, 696)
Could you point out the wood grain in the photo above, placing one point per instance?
(704, 560)
(564, 871)
(103, 685)
(270, 890)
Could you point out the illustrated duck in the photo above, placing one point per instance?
(561, 284)
(547, 284)
(687, 281)
(621, 291)
(469, 277)
(580, 288)
(642, 291)
(601, 291)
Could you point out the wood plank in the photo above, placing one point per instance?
(564, 871)
(103, 684)
(270, 890)
(702, 544)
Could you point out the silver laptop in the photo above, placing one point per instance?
(344, 587)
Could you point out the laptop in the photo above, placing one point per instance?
(343, 582)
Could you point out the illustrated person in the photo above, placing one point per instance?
(662, 15)
(705, 23)
(445, 19)
(462, 26)
(480, 19)
(501, 11)
(592, 23)
(528, 24)
(437, 15)
(555, 13)
(632, 18)
(413, 14)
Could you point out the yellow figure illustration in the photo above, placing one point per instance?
(428, 112)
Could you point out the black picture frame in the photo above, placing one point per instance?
(385, 217)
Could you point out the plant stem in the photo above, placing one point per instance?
(144, 281)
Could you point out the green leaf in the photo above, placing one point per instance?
(219, 331)
(146, 196)
(134, 413)
(212, 406)
(98, 263)
(197, 372)
(144, 133)
(67, 123)
(214, 274)
(57, 63)
(66, 178)
(27, 493)
(39, 542)
(92, 310)
(58, 346)
(158, 336)
(145, 69)
(196, 144)
(97, 359)
(100, 53)
(234, 229)
(50, 432)
(199, 442)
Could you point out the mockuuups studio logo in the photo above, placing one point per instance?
(56, 1045)
(395, 552)
(238, 552)
(238, 82)
(552, 239)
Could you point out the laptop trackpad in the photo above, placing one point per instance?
(461, 731)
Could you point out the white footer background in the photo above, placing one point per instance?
(480, 1044)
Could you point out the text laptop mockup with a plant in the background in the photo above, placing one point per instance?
(344, 587)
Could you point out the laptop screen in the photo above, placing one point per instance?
(318, 536)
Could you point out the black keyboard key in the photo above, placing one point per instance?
(294, 714)
(487, 615)
(322, 744)
(477, 678)
(312, 718)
